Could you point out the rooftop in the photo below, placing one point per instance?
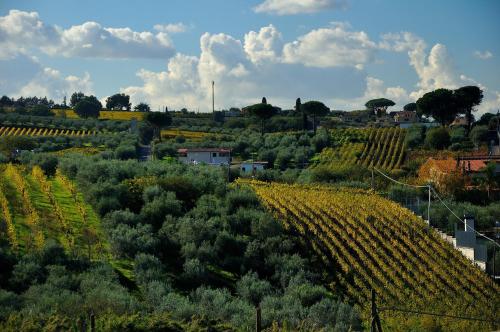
(185, 150)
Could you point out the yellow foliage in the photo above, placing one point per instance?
(377, 244)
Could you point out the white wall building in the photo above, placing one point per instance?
(465, 241)
(210, 156)
(251, 167)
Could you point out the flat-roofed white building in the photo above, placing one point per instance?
(210, 156)
(251, 167)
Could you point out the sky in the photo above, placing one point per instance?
(167, 53)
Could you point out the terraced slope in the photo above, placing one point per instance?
(34, 208)
(366, 242)
(34, 131)
(374, 147)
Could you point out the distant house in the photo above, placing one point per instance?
(465, 241)
(459, 121)
(251, 167)
(210, 156)
(405, 117)
(446, 174)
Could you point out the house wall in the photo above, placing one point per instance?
(205, 157)
(248, 167)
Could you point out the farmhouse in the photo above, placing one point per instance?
(252, 167)
(210, 156)
(405, 117)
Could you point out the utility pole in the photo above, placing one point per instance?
(375, 325)
(429, 207)
(258, 320)
(213, 97)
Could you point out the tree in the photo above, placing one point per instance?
(118, 101)
(485, 120)
(88, 107)
(314, 109)
(411, 107)
(261, 111)
(142, 107)
(479, 134)
(75, 98)
(264, 100)
(438, 138)
(440, 104)
(466, 98)
(6, 101)
(41, 110)
(379, 105)
(158, 120)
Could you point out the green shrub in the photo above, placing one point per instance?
(438, 138)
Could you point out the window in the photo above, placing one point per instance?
(214, 154)
(243, 169)
(223, 154)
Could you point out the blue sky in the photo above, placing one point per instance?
(342, 52)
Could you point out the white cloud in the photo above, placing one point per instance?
(291, 7)
(243, 73)
(177, 87)
(335, 46)
(33, 79)
(376, 88)
(171, 28)
(483, 55)
(21, 32)
(435, 69)
(265, 45)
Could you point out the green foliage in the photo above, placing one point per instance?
(76, 97)
(379, 105)
(410, 107)
(252, 289)
(9, 144)
(127, 241)
(41, 110)
(479, 134)
(439, 104)
(314, 109)
(118, 102)
(414, 136)
(466, 98)
(142, 107)
(88, 107)
(262, 111)
(158, 120)
(148, 268)
(437, 138)
(124, 152)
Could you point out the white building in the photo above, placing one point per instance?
(210, 156)
(251, 167)
(465, 241)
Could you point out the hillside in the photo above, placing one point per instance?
(371, 147)
(35, 131)
(37, 208)
(383, 246)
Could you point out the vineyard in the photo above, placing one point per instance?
(33, 131)
(191, 135)
(103, 115)
(35, 208)
(382, 148)
(382, 246)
